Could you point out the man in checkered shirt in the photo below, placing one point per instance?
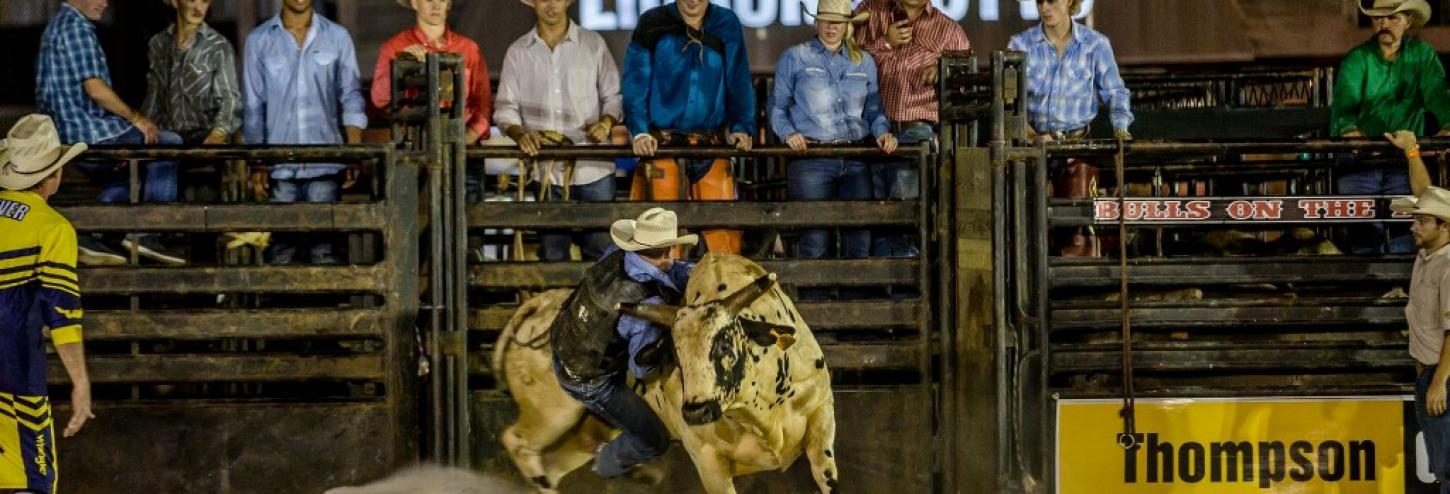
(906, 37)
(73, 87)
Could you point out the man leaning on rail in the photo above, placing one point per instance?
(73, 87)
(560, 86)
(687, 83)
(191, 86)
(1428, 312)
(1070, 68)
(39, 292)
(826, 93)
(906, 38)
(430, 34)
(300, 86)
(1386, 84)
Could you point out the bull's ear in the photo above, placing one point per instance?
(660, 314)
(747, 294)
(765, 334)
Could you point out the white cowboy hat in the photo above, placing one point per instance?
(1418, 10)
(1434, 201)
(32, 151)
(655, 228)
(837, 11)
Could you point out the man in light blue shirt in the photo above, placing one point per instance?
(300, 86)
(1069, 68)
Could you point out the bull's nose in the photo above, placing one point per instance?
(701, 413)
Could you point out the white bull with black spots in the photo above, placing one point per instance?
(750, 391)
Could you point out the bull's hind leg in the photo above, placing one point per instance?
(821, 447)
(539, 428)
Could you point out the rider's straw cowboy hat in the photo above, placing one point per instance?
(1434, 201)
(1418, 10)
(32, 151)
(653, 229)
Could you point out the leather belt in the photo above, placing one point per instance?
(1069, 135)
(688, 138)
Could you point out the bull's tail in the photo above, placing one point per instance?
(506, 338)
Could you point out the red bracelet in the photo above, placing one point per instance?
(1413, 153)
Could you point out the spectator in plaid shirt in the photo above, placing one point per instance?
(73, 86)
(1069, 68)
(906, 37)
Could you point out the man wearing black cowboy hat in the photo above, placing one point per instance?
(594, 345)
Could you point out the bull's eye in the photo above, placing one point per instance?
(722, 349)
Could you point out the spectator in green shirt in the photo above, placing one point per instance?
(1385, 84)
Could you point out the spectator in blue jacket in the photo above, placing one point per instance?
(687, 83)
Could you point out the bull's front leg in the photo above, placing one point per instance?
(821, 447)
(715, 469)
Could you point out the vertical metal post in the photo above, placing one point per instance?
(459, 254)
(437, 267)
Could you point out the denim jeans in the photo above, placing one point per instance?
(554, 245)
(327, 188)
(1375, 238)
(158, 178)
(1435, 429)
(815, 179)
(896, 179)
(642, 435)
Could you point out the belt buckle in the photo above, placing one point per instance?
(1058, 135)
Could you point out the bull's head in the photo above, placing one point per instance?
(715, 343)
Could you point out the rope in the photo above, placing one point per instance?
(538, 341)
(1127, 439)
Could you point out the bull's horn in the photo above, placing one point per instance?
(660, 314)
(746, 295)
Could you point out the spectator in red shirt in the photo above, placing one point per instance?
(906, 37)
(431, 34)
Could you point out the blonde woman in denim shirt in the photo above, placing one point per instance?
(826, 93)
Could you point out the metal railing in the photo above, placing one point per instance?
(173, 348)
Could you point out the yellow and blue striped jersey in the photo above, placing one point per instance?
(38, 288)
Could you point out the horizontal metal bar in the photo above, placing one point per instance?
(269, 152)
(1217, 357)
(1099, 148)
(271, 279)
(796, 214)
(1230, 318)
(227, 217)
(576, 152)
(839, 357)
(860, 316)
(222, 368)
(1230, 271)
(1236, 391)
(798, 272)
(106, 325)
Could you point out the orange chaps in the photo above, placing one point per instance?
(661, 179)
(1079, 180)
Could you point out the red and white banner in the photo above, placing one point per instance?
(1211, 210)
